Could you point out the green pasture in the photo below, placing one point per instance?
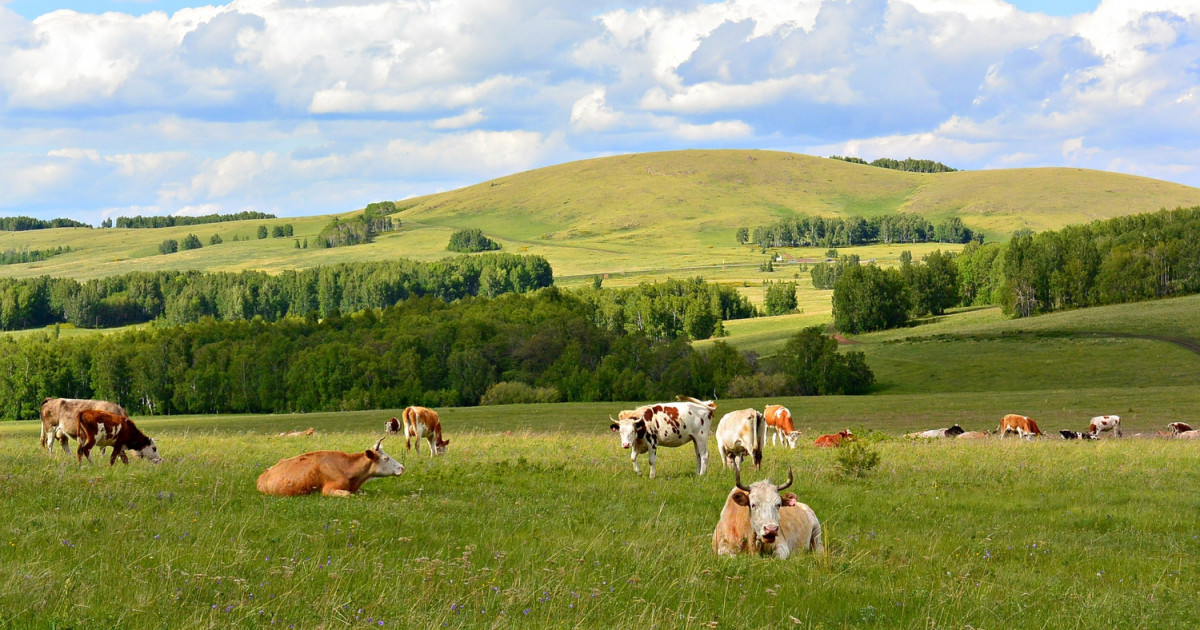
(535, 518)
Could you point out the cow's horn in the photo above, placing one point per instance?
(378, 444)
(789, 481)
(737, 478)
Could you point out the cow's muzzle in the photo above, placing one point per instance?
(625, 445)
(769, 533)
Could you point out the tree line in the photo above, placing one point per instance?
(161, 221)
(23, 223)
(675, 309)
(1125, 259)
(908, 164)
(422, 350)
(25, 255)
(897, 227)
(179, 297)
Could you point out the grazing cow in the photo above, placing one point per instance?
(834, 439)
(757, 519)
(1077, 435)
(1179, 427)
(1188, 435)
(780, 419)
(392, 426)
(646, 428)
(1021, 425)
(57, 411)
(974, 435)
(95, 427)
(741, 433)
(334, 473)
(421, 423)
(933, 434)
(308, 431)
(1104, 424)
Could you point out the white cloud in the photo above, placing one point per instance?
(466, 119)
(720, 130)
(592, 113)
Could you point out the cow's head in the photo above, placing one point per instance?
(385, 466)
(440, 447)
(764, 500)
(954, 430)
(149, 452)
(848, 436)
(791, 437)
(630, 426)
(392, 426)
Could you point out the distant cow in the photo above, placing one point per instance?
(834, 439)
(758, 519)
(780, 420)
(333, 473)
(421, 423)
(102, 428)
(1179, 427)
(974, 435)
(741, 433)
(306, 432)
(646, 428)
(57, 411)
(1104, 424)
(1021, 425)
(1077, 435)
(934, 434)
(1188, 435)
(392, 426)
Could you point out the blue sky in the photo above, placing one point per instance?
(120, 107)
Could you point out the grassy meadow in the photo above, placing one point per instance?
(535, 518)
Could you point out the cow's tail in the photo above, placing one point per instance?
(760, 437)
(814, 540)
(42, 436)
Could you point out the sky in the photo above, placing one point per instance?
(301, 107)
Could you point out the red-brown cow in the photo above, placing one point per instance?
(779, 418)
(102, 428)
(334, 473)
(59, 411)
(1179, 427)
(1023, 426)
(421, 423)
(834, 439)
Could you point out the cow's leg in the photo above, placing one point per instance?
(701, 454)
(633, 458)
(336, 488)
(726, 460)
(653, 454)
(774, 434)
(432, 450)
(62, 441)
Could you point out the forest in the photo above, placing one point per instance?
(180, 297)
(897, 227)
(164, 221)
(675, 309)
(423, 350)
(21, 224)
(908, 164)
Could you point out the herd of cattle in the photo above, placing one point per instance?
(758, 518)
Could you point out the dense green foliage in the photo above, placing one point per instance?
(867, 297)
(360, 228)
(421, 351)
(812, 365)
(186, 296)
(825, 275)
(688, 309)
(168, 246)
(471, 240)
(909, 164)
(157, 221)
(779, 297)
(22, 223)
(897, 227)
(11, 257)
(191, 241)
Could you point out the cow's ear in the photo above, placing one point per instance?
(741, 498)
(789, 499)
(615, 427)
(372, 455)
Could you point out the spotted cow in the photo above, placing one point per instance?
(779, 421)
(1023, 426)
(644, 429)
(63, 412)
(101, 428)
(1104, 424)
(1179, 427)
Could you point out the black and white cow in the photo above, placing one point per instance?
(646, 428)
(1076, 435)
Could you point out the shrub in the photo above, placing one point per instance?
(514, 393)
(215, 239)
(169, 246)
(262, 231)
(856, 460)
(471, 240)
(277, 231)
(191, 241)
(779, 297)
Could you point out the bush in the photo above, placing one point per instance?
(515, 393)
(779, 297)
(215, 239)
(191, 241)
(471, 240)
(813, 366)
(277, 231)
(856, 460)
(262, 231)
(169, 246)
(757, 386)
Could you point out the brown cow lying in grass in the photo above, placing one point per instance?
(334, 473)
(834, 439)
(758, 519)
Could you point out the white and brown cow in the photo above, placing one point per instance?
(779, 418)
(758, 519)
(1104, 424)
(937, 434)
(423, 423)
(333, 473)
(741, 433)
(101, 428)
(1179, 427)
(1023, 426)
(59, 411)
(646, 428)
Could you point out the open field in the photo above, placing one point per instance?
(536, 519)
